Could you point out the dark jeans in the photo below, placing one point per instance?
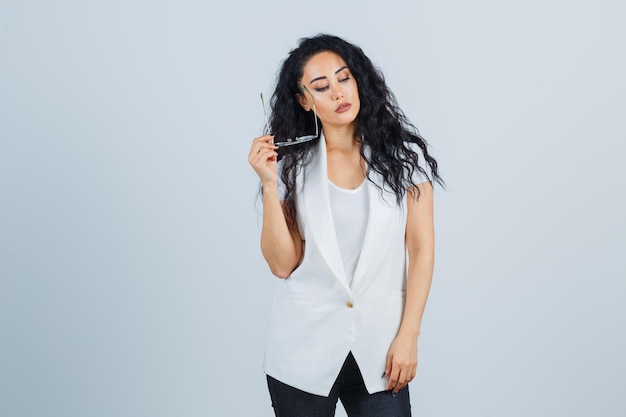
(349, 388)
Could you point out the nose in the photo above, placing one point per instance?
(338, 93)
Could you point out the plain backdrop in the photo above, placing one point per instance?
(131, 280)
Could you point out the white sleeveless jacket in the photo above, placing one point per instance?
(316, 318)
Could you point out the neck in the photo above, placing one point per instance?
(339, 137)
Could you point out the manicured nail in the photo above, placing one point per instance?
(383, 375)
(394, 394)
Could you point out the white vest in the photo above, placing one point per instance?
(316, 317)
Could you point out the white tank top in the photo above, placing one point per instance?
(350, 209)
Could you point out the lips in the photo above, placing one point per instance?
(343, 107)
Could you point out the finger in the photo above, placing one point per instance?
(261, 158)
(393, 378)
(266, 144)
(261, 141)
(398, 384)
(264, 138)
(257, 147)
(260, 161)
(402, 381)
(271, 155)
(398, 387)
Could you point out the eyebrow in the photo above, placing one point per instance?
(324, 77)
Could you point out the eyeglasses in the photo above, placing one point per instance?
(300, 139)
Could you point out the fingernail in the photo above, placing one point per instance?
(383, 375)
(394, 394)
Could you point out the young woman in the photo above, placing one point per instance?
(348, 226)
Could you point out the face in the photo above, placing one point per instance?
(329, 80)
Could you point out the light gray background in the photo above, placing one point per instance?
(131, 279)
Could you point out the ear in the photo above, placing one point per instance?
(302, 100)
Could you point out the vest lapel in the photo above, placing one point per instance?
(383, 212)
(373, 231)
(319, 214)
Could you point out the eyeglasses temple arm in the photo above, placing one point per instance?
(317, 133)
(267, 120)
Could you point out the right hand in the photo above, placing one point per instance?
(263, 158)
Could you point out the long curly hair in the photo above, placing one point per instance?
(380, 124)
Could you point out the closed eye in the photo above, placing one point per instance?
(320, 89)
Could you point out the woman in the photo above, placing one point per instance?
(340, 215)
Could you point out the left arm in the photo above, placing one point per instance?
(420, 243)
